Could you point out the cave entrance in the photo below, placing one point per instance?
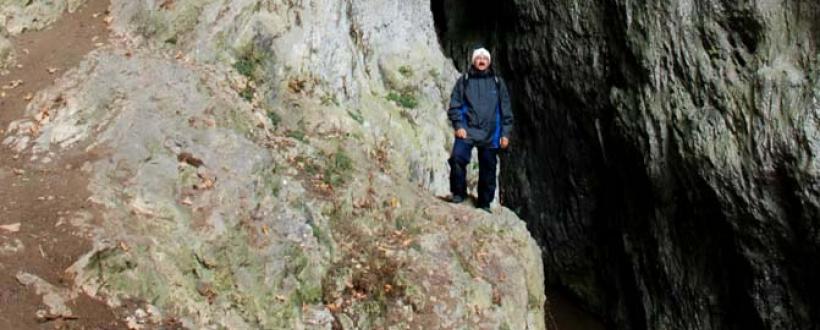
(462, 25)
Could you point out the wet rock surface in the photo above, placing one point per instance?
(274, 165)
(666, 153)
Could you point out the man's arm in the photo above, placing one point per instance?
(506, 111)
(456, 104)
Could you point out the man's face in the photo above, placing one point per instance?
(481, 63)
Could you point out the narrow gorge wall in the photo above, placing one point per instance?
(665, 153)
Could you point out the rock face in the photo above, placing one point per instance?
(666, 153)
(265, 164)
(17, 16)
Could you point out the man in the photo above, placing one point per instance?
(482, 118)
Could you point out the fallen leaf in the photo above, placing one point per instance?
(188, 158)
(29, 96)
(52, 70)
(496, 296)
(12, 228)
(332, 307)
(13, 84)
(167, 5)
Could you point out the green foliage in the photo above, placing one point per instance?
(296, 134)
(406, 71)
(247, 65)
(274, 117)
(405, 99)
(309, 294)
(247, 93)
(357, 116)
(339, 168)
(329, 99)
(342, 161)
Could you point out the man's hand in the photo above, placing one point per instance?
(461, 133)
(505, 142)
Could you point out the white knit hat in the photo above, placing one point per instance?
(481, 52)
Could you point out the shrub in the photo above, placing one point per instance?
(405, 100)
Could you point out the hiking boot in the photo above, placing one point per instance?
(456, 199)
(486, 208)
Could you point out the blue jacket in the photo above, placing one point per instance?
(480, 104)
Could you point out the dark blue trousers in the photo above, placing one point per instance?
(487, 162)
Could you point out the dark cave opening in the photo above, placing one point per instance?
(462, 25)
(582, 185)
(640, 242)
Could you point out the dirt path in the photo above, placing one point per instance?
(43, 199)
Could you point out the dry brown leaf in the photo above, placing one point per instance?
(167, 5)
(12, 228)
(34, 129)
(333, 308)
(13, 84)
